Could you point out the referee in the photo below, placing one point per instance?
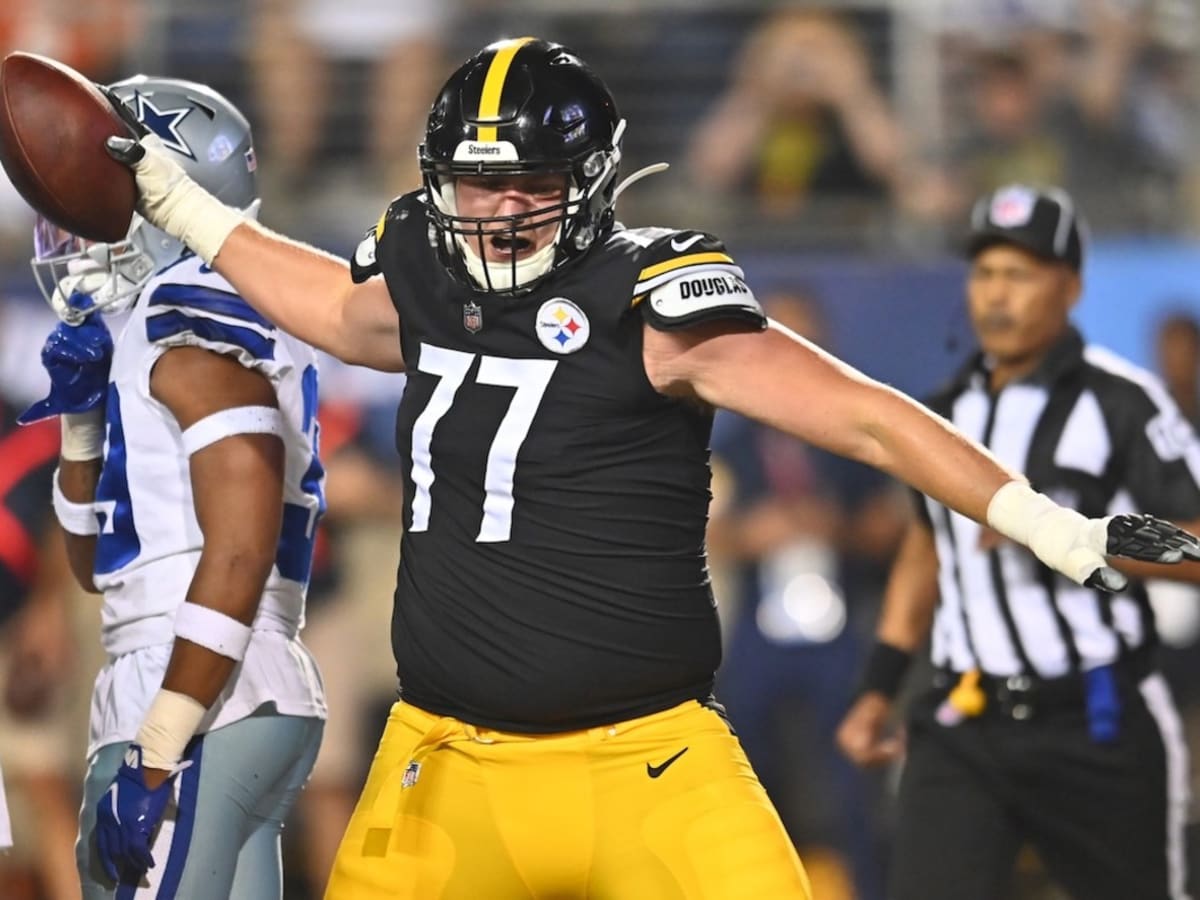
(1047, 722)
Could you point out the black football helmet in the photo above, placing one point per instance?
(521, 106)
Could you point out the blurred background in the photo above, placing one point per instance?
(836, 146)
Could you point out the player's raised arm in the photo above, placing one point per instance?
(304, 290)
(786, 382)
(77, 359)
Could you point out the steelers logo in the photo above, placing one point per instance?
(561, 326)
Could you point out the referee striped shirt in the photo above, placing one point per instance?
(1095, 433)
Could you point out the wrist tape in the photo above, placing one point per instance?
(82, 435)
(168, 726)
(1060, 537)
(228, 422)
(172, 201)
(214, 630)
(75, 518)
(198, 219)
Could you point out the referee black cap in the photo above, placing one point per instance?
(1041, 220)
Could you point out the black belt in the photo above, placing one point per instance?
(1022, 696)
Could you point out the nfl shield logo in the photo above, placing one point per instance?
(411, 774)
(472, 317)
(1012, 207)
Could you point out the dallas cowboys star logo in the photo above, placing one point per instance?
(165, 123)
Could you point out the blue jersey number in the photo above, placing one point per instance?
(299, 531)
(117, 544)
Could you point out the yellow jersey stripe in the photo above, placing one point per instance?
(379, 225)
(493, 86)
(679, 262)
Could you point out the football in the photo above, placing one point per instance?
(53, 123)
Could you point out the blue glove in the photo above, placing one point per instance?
(128, 815)
(78, 358)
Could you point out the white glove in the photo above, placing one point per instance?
(171, 200)
(1077, 546)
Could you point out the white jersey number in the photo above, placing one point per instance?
(530, 378)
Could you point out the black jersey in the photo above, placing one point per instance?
(552, 572)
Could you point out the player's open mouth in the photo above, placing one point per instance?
(505, 246)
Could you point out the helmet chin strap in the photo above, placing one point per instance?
(506, 276)
(85, 276)
(492, 276)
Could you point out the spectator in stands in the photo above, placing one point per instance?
(326, 66)
(802, 116)
(1177, 346)
(1097, 99)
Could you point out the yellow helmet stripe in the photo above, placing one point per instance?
(493, 86)
(680, 262)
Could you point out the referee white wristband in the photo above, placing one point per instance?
(209, 628)
(1062, 538)
(168, 726)
(75, 518)
(82, 435)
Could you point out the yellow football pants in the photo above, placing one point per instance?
(664, 806)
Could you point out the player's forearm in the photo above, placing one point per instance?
(927, 453)
(300, 288)
(229, 581)
(911, 595)
(197, 672)
(78, 480)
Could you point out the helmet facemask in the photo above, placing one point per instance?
(584, 212)
(69, 269)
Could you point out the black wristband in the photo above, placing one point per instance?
(885, 670)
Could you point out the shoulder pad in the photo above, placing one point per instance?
(364, 264)
(204, 316)
(689, 277)
(673, 253)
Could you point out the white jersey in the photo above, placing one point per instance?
(150, 542)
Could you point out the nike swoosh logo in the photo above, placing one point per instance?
(111, 793)
(679, 246)
(655, 771)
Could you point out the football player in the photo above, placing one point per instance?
(554, 627)
(189, 487)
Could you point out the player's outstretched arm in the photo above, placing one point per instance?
(786, 382)
(305, 291)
